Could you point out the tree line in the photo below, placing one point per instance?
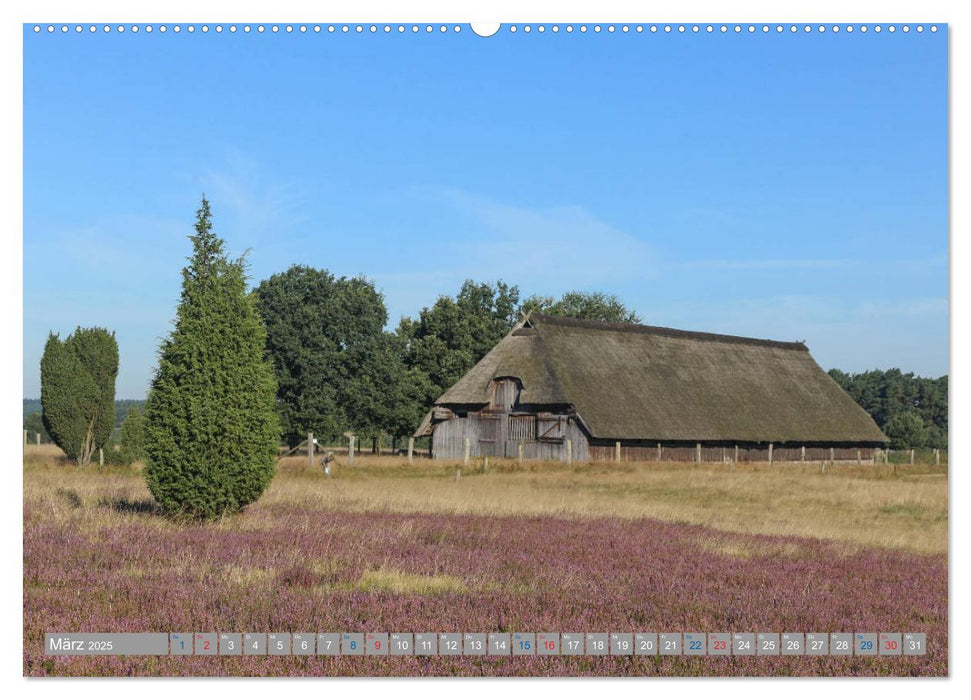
(910, 410)
(307, 351)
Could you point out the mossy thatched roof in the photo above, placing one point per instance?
(632, 382)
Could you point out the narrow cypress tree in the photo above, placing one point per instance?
(211, 433)
(77, 386)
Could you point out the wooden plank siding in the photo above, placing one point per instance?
(494, 434)
(499, 435)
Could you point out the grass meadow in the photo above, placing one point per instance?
(387, 546)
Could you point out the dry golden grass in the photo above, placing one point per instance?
(389, 580)
(856, 505)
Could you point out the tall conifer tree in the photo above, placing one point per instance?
(212, 432)
(77, 385)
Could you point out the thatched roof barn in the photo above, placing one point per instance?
(558, 388)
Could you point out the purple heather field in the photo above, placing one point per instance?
(311, 571)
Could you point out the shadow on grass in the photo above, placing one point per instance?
(71, 497)
(128, 506)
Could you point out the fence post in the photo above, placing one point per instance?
(521, 453)
(310, 449)
(25, 438)
(468, 451)
(101, 457)
(832, 454)
(617, 451)
(411, 449)
(736, 454)
(350, 449)
(770, 453)
(37, 435)
(569, 451)
(858, 458)
(911, 456)
(697, 453)
(485, 464)
(802, 454)
(659, 452)
(937, 452)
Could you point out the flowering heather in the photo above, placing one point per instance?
(114, 565)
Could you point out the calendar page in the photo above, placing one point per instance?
(525, 348)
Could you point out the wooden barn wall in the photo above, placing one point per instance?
(688, 452)
(500, 435)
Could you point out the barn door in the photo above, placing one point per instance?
(550, 428)
(489, 435)
(520, 429)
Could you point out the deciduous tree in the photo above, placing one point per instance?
(906, 430)
(451, 336)
(593, 306)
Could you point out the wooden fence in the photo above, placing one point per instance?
(699, 452)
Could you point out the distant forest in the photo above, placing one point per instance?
(32, 406)
(910, 410)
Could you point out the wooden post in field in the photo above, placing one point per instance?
(37, 435)
(411, 449)
(485, 464)
(770, 453)
(937, 452)
(350, 449)
(458, 474)
(468, 451)
(25, 438)
(310, 449)
(736, 454)
(569, 451)
(659, 452)
(832, 454)
(101, 457)
(858, 458)
(911, 456)
(802, 454)
(724, 456)
(521, 454)
(698, 453)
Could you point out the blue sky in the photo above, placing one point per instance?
(787, 186)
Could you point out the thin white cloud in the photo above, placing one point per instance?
(811, 264)
(563, 245)
(257, 206)
(794, 264)
(105, 247)
(911, 334)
